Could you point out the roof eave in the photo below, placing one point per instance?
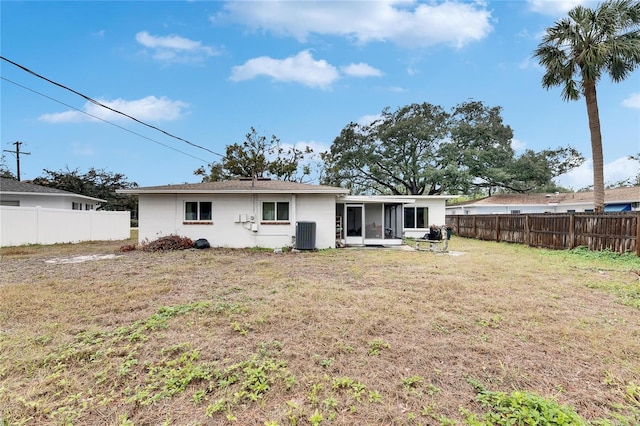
(228, 191)
(53, 194)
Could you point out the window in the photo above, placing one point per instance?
(275, 211)
(515, 211)
(416, 217)
(76, 206)
(88, 206)
(197, 210)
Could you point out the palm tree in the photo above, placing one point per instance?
(577, 50)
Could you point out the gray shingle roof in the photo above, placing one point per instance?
(12, 186)
(241, 185)
(629, 194)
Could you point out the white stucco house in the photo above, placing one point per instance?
(272, 214)
(616, 200)
(22, 194)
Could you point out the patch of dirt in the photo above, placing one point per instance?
(81, 259)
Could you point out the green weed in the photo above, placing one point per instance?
(167, 378)
(412, 382)
(377, 345)
(520, 408)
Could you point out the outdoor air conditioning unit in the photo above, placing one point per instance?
(305, 235)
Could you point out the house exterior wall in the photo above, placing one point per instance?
(39, 225)
(436, 216)
(523, 208)
(156, 216)
(319, 208)
(236, 219)
(47, 201)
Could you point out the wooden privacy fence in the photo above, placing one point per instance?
(618, 232)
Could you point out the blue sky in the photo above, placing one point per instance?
(301, 70)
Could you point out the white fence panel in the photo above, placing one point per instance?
(38, 225)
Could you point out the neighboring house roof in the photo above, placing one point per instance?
(15, 187)
(617, 195)
(238, 186)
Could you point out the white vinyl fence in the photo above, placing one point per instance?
(38, 225)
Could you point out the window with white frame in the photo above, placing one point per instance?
(76, 206)
(416, 217)
(197, 211)
(275, 211)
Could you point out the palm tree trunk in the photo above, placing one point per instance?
(596, 145)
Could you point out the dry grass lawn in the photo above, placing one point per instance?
(337, 337)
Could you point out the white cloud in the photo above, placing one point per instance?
(407, 23)
(633, 101)
(149, 108)
(174, 48)
(615, 171)
(556, 7)
(366, 120)
(529, 63)
(301, 68)
(64, 117)
(397, 89)
(361, 70)
(517, 145)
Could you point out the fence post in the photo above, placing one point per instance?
(475, 231)
(527, 231)
(572, 231)
(498, 228)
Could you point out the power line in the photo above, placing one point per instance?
(107, 107)
(103, 120)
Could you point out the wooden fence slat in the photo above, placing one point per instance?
(618, 232)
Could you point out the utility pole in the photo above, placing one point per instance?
(17, 153)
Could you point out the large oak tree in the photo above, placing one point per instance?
(423, 149)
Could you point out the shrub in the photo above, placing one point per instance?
(170, 242)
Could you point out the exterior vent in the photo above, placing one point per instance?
(305, 235)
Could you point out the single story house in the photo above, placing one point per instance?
(272, 214)
(22, 194)
(616, 200)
